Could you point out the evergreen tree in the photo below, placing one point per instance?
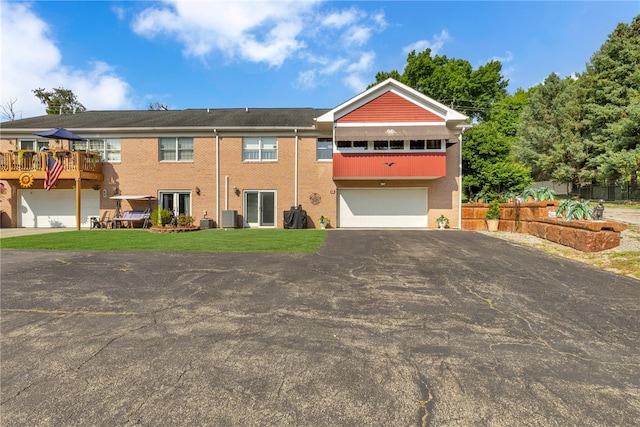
(611, 106)
(550, 138)
(59, 101)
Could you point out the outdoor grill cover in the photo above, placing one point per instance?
(295, 218)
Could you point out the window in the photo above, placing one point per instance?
(176, 149)
(324, 149)
(434, 144)
(353, 145)
(417, 144)
(108, 148)
(32, 144)
(259, 149)
(429, 144)
(388, 145)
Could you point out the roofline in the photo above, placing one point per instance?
(15, 132)
(449, 114)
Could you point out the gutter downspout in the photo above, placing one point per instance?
(226, 192)
(460, 181)
(295, 172)
(217, 177)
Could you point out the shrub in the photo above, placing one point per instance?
(185, 220)
(160, 216)
(494, 210)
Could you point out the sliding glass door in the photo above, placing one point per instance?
(260, 208)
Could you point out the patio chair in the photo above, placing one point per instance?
(101, 222)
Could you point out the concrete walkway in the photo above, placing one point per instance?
(15, 232)
(625, 215)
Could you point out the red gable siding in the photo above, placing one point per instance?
(387, 108)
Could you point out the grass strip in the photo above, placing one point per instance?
(232, 240)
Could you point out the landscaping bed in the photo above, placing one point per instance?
(534, 218)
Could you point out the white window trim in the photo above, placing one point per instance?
(103, 151)
(176, 150)
(260, 150)
(35, 142)
(406, 149)
(329, 140)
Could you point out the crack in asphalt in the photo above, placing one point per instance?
(542, 342)
(73, 312)
(107, 344)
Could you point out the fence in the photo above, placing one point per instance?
(606, 192)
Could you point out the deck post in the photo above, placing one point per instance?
(78, 202)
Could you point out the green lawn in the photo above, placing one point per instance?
(240, 240)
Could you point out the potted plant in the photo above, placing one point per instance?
(493, 215)
(323, 222)
(442, 221)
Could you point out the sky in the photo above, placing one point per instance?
(126, 55)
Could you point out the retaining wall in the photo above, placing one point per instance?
(533, 218)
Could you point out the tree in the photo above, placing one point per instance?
(158, 106)
(453, 82)
(488, 168)
(8, 112)
(550, 133)
(611, 106)
(59, 101)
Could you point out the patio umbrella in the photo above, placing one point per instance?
(60, 133)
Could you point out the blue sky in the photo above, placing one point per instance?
(218, 54)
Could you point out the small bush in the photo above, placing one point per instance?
(160, 216)
(494, 210)
(185, 220)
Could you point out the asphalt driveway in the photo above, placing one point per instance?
(379, 328)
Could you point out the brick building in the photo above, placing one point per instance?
(389, 157)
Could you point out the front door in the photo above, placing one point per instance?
(260, 208)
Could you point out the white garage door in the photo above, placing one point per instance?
(383, 207)
(56, 208)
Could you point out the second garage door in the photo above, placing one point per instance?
(56, 208)
(382, 207)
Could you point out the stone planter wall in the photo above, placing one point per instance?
(586, 236)
(533, 218)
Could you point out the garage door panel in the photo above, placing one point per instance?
(57, 208)
(380, 208)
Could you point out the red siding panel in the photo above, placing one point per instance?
(390, 107)
(392, 166)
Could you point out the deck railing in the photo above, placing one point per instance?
(32, 161)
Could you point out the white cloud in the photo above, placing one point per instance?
(363, 64)
(31, 60)
(119, 12)
(355, 82)
(436, 44)
(306, 80)
(341, 19)
(263, 31)
(507, 58)
(270, 32)
(358, 35)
